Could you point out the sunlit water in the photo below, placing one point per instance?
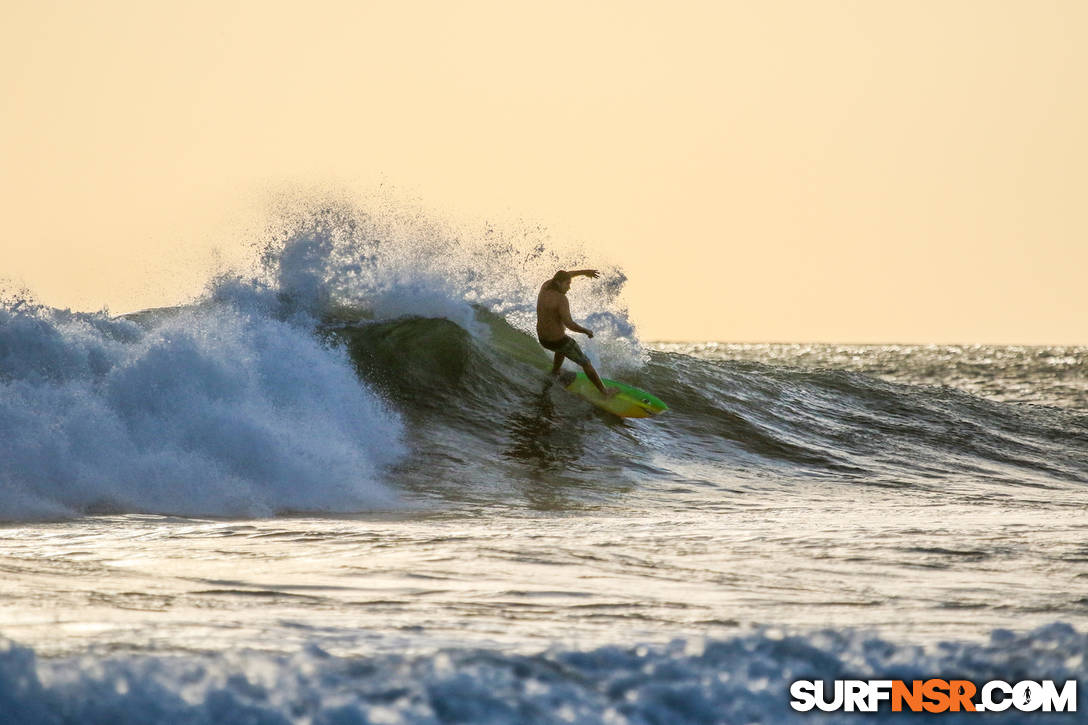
(257, 509)
(915, 570)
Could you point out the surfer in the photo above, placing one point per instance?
(553, 320)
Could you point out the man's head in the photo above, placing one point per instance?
(561, 281)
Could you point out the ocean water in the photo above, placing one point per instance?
(340, 489)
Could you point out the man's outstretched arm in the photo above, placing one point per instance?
(591, 273)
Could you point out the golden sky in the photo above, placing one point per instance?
(778, 170)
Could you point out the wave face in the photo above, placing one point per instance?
(729, 421)
(377, 354)
(742, 679)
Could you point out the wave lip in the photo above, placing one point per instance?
(210, 410)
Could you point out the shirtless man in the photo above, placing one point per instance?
(553, 319)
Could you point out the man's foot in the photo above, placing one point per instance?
(610, 393)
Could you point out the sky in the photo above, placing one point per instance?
(782, 170)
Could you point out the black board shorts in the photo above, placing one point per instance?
(568, 347)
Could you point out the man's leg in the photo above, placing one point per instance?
(558, 363)
(571, 350)
(594, 378)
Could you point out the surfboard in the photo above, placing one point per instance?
(630, 402)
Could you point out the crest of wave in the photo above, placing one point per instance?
(391, 259)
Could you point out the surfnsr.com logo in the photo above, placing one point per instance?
(933, 695)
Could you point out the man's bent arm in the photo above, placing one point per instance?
(568, 321)
(572, 325)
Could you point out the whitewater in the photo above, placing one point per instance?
(340, 488)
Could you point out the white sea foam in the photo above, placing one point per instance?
(214, 410)
(400, 261)
(740, 680)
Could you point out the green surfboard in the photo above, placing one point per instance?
(630, 402)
